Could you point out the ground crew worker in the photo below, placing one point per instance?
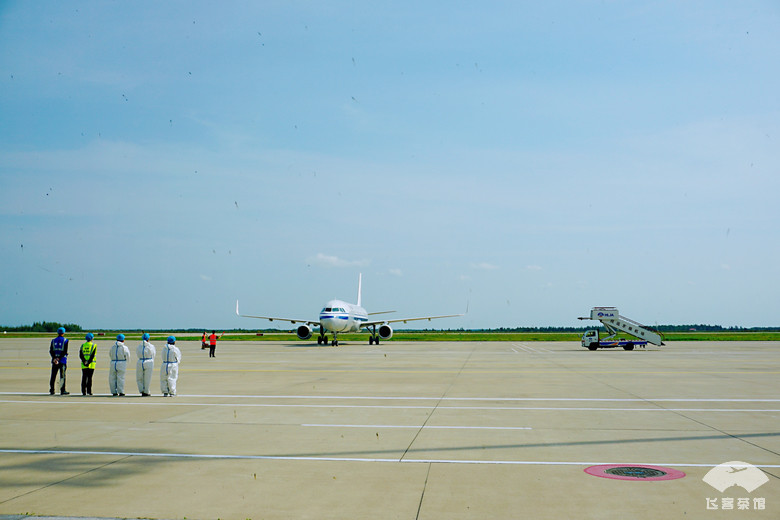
(58, 350)
(145, 365)
(169, 371)
(88, 355)
(119, 355)
(203, 343)
(213, 342)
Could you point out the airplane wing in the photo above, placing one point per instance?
(404, 320)
(315, 323)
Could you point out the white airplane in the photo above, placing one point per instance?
(339, 316)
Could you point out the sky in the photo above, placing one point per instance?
(527, 160)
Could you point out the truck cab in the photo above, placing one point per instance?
(590, 339)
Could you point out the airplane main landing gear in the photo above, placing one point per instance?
(373, 338)
(322, 340)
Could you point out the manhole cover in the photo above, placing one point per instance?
(635, 472)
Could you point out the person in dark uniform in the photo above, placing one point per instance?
(58, 350)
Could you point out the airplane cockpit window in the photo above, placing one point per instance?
(326, 309)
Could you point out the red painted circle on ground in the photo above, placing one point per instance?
(602, 471)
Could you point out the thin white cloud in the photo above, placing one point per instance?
(334, 261)
(396, 272)
(533, 267)
(485, 266)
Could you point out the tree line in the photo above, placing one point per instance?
(44, 326)
(659, 328)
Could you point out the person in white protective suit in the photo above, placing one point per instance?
(169, 371)
(145, 366)
(119, 355)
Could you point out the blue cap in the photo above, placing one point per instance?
(89, 336)
(61, 330)
(120, 337)
(171, 339)
(145, 337)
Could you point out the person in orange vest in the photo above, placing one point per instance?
(213, 342)
(203, 341)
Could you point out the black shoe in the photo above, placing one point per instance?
(121, 395)
(145, 395)
(114, 395)
(89, 393)
(51, 392)
(64, 393)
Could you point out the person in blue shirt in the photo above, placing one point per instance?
(58, 350)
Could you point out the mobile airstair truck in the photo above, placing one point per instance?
(615, 323)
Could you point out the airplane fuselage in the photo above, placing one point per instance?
(340, 316)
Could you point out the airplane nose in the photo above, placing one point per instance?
(331, 323)
(326, 321)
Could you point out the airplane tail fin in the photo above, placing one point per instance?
(360, 289)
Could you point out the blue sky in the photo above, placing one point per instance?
(159, 160)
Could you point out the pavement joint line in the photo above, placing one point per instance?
(366, 459)
(422, 495)
(173, 402)
(433, 411)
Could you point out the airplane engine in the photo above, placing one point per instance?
(385, 331)
(303, 332)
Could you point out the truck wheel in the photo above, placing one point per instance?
(592, 347)
(628, 346)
